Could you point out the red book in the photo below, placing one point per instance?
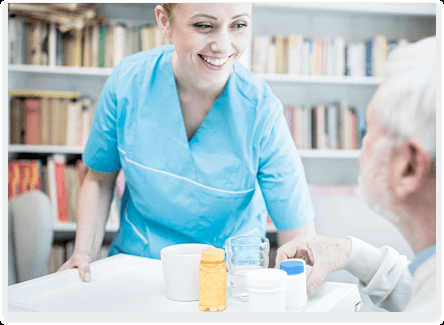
(32, 121)
(62, 205)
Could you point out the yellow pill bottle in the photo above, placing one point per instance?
(213, 279)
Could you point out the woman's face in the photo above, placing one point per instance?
(209, 38)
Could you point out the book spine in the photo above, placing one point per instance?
(77, 59)
(62, 122)
(313, 128)
(368, 59)
(61, 191)
(32, 121)
(86, 47)
(102, 41)
(45, 126)
(52, 45)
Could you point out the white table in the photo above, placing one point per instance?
(125, 283)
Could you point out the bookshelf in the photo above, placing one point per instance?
(353, 21)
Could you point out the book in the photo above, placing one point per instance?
(54, 108)
(68, 46)
(17, 131)
(62, 122)
(45, 121)
(60, 48)
(157, 36)
(23, 176)
(32, 121)
(87, 114)
(306, 57)
(12, 40)
(280, 59)
(72, 189)
(353, 128)
(368, 58)
(272, 60)
(332, 126)
(295, 54)
(145, 38)
(314, 134)
(36, 35)
(29, 93)
(77, 50)
(13, 179)
(119, 44)
(109, 46)
(361, 125)
(94, 47)
(60, 180)
(86, 48)
(74, 111)
(102, 42)
(307, 127)
(52, 45)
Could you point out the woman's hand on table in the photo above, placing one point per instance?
(81, 261)
(326, 254)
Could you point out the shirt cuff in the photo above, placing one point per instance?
(364, 260)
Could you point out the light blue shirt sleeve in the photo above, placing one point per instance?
(101, 153)
(281, 174)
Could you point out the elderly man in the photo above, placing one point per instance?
(398, 180)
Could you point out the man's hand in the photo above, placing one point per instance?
(325, 254)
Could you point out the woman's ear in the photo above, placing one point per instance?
(162, 21)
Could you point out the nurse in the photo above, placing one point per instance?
(203, 143)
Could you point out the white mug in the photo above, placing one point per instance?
(180, 264)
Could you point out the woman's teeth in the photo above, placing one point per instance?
(216, 62)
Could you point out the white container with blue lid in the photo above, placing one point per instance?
(296, 291)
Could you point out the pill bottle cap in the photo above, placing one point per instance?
(213, 255)
(266, 278)
(293, 266)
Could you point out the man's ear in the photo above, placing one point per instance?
(409, 168)
(162, 21)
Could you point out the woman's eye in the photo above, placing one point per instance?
(203, 26)
(240, 25)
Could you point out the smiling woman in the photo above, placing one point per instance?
(203, 143)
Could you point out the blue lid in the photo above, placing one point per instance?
(292, 267)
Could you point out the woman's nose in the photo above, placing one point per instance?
(221, 42)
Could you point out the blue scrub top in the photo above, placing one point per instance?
(240, 163)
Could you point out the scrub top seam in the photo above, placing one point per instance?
(181, 177)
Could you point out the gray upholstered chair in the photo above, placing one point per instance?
(30, 236)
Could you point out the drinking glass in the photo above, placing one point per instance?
(244, 254)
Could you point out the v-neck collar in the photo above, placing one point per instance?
(213, 111)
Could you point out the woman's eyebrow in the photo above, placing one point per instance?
(211, 17)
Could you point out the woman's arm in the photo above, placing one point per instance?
(287, 235)
(93, 208)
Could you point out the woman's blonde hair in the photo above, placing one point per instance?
(168, 10)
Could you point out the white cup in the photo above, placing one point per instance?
(180, 264)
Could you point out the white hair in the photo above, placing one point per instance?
(406, 100)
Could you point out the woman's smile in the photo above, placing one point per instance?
(214, 63)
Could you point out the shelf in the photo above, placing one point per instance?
(338, 80)
(329, 153)
(105, 72)
(21, 148)
(304, 153)
(72, 226)
(60, 70)
(408, 9)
